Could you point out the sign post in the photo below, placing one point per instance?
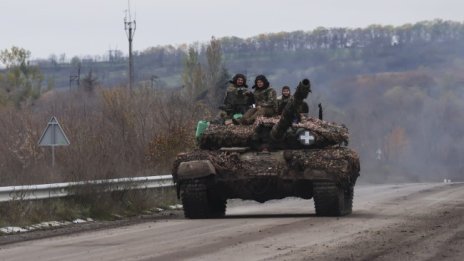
(53, 136)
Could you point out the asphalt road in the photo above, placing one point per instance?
(389, 222)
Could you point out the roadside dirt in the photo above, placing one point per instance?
(88, 226)
(389, 222)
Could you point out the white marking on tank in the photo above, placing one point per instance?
(306, 138)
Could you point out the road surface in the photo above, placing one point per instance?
(389, 222)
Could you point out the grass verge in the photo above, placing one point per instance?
(94, 204)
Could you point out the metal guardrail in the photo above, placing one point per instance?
(56, 190)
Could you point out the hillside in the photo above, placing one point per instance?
(286, 56)
(398, 89)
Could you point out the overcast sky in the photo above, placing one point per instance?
(92, 27)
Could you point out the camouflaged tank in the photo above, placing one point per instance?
(272, 159)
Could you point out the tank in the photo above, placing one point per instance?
(283, 156)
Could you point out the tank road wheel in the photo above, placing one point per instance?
(194, 196)
(330, 200)
(199, 203)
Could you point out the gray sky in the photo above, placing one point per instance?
(92, 27)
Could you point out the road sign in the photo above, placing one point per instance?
(53, 135)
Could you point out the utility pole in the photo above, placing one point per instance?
(153, 79)
(129, 27)
(76, 77)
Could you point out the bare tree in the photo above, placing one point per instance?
(216, 75)
(193, 76)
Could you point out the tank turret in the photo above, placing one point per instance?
(287, 131)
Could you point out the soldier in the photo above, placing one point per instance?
(238, 99)
(265, 101)
(302, 109)
(283, 99)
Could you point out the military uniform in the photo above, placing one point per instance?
(265, 100)
(302, 108)
(281, 102)
(237, 100)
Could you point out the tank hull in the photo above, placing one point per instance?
(337, 164)
(263, 176)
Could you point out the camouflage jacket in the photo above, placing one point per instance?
(281, 102)
(266, 97)
(236, 100)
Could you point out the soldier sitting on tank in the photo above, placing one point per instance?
(237, 100)
(283, 99)
(265, 101)
(303, 108)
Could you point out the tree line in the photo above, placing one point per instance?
(398, 89)
(292, 50)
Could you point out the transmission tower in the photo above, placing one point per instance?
(129, 27)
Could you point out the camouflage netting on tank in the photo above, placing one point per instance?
(229, 165)
(325, 131)
(266, 121)
(217, 136)
(340, 163)
(223, 162)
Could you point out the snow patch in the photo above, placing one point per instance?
(43, 225)
(10, 230)
(177, 206)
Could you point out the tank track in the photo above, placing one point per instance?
(332, 200)
(218, 207)
(198, 203)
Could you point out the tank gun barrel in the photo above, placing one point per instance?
(291, 109)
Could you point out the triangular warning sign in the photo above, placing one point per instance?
(53, 135)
